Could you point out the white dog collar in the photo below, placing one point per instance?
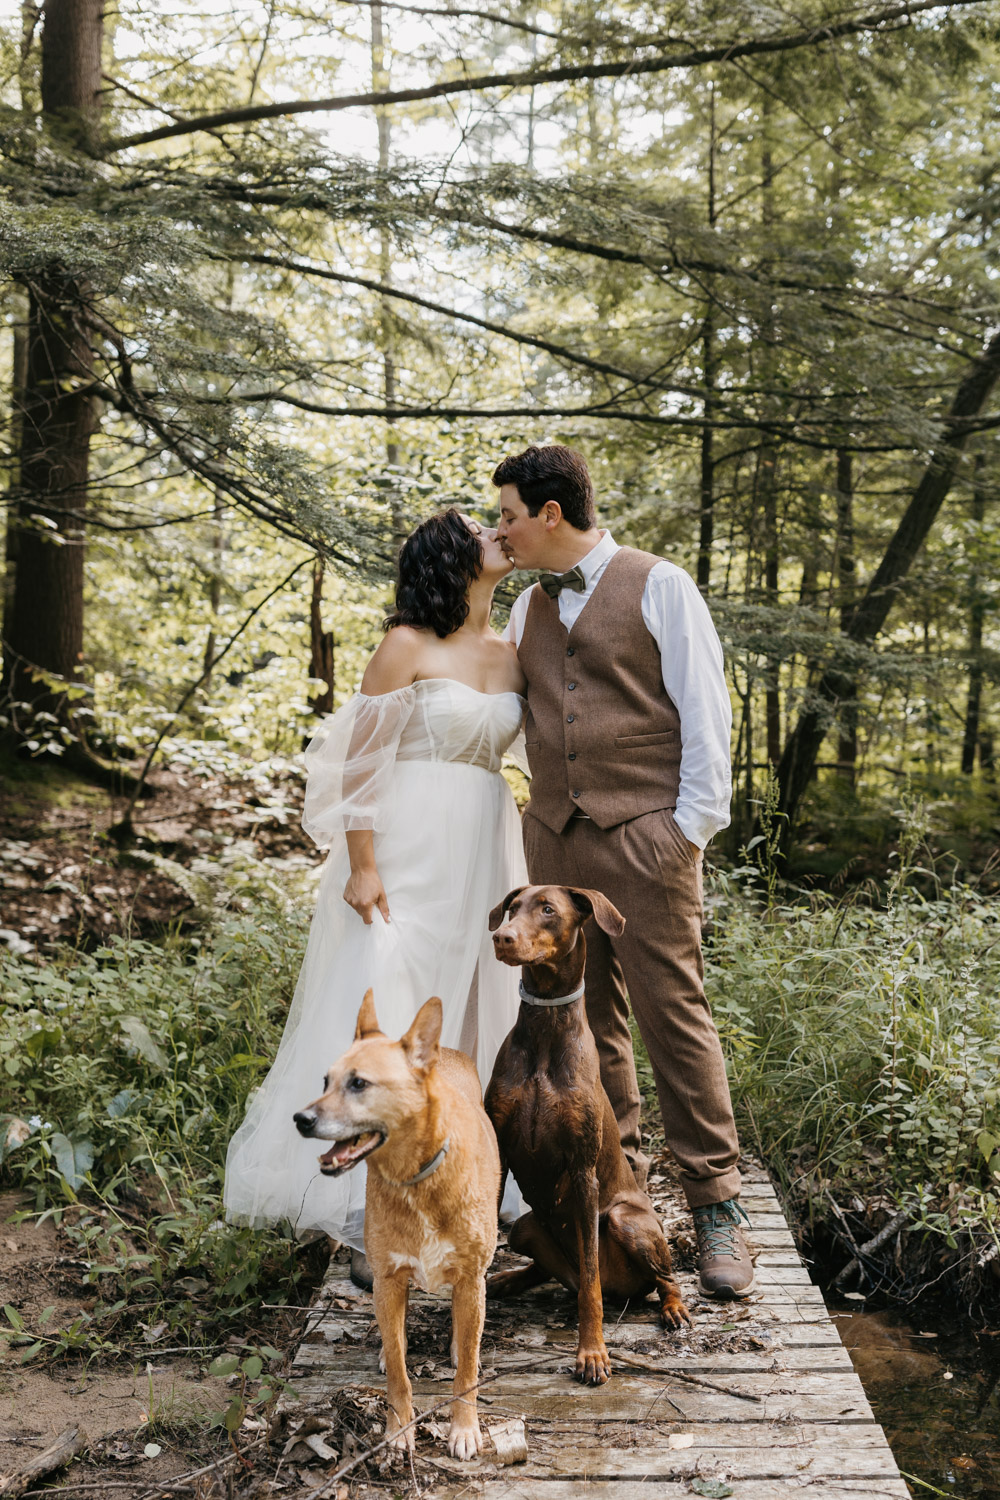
(530, 999)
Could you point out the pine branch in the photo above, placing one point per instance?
(560, 351)
(533, 77)
(788, 431)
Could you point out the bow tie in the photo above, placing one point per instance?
(553, 583)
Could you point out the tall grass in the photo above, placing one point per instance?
(863, 1047)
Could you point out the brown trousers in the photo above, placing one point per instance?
(647, 868)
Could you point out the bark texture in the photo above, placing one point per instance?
(43, 635)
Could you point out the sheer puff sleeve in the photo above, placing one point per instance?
(349, 762)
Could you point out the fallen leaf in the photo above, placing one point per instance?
(680, 1440)
(152, 1450)
(855, 1297)
(714, 1489)
(320, 1448)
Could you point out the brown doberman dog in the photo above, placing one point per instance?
(590, 1226)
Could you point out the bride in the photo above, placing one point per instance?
(403, 787)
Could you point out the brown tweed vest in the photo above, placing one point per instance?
(602, 735)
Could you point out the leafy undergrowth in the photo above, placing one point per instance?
(863, 1048)
(123, 1073)
(63, 881)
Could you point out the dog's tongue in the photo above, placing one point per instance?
(342, 1153)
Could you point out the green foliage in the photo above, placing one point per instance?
(127, 1070)
(863, 1043)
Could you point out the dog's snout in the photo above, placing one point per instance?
(305, 1121)
(504, 938)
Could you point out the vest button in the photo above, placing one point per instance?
(576, 794)
(572, 755)
(570, 651)
(570, 718)
(571, 686)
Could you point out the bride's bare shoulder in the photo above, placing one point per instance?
(396, 661)
(505, 651)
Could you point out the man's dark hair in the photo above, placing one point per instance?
(552, 473)
(437, 562)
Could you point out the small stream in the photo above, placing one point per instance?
(935, 1388)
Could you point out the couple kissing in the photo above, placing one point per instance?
(613, 668)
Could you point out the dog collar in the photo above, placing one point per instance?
(428, 1170)
(530, 999)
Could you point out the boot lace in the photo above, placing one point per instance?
(716, 1225)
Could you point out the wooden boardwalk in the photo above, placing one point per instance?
(758, 1401)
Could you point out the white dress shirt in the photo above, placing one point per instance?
(677, 618)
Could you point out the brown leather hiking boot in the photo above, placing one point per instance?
(724, 1264)
(361, 1271)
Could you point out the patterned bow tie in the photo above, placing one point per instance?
(552, 583)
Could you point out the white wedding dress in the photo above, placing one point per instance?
(420, 767)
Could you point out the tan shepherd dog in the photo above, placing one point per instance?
(414, 1109)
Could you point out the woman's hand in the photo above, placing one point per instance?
(364, 889)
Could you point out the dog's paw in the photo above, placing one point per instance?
(465, 1442)
(673, 1313)
(401, 1442)
(503, 1283)
(592, 1365)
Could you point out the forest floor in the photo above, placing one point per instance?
(61, 880)
(152, 1416)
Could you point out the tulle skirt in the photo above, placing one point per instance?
(450, 852)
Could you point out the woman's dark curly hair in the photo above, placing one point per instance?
(437, 562)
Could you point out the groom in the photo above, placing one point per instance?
(628, 742)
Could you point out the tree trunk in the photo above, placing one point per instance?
(380, 81)
(871, 612)
(706, 522)
(321, 662)
(847, 744)
(44, 633)
(767, 467)
(977, 614)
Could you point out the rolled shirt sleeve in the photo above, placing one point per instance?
(677, 617)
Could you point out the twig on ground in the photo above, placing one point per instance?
(57, 1455)
(642, 1363)
(875, 1243)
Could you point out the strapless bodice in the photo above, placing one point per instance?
(451, 721)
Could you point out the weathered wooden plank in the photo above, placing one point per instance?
(781, 1396)
(567, 1457)
(829, 1359)
(637, 1489)
(786, 1275)
(773, 1239)
(816, 1339)
(782, 1436)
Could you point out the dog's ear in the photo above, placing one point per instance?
(499, 912)
(595, 904)
(367, 1019)
(422, 1043)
